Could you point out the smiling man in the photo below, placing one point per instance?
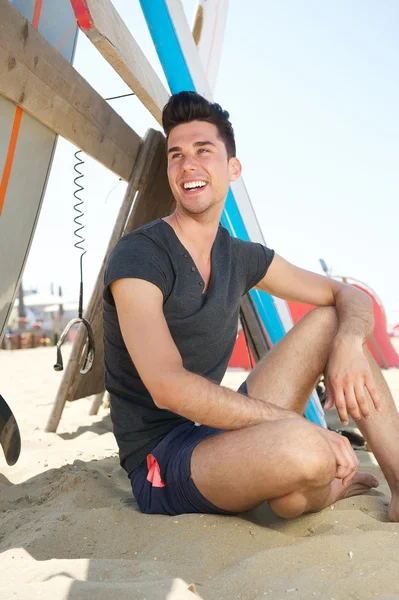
(171, 303)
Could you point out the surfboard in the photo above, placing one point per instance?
(10, 439)
(208, 32)
(180, 61)
(26, 153)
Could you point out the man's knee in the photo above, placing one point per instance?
(326, 316)
(322, 324)
(315, 461)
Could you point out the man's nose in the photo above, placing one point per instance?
(189, 163)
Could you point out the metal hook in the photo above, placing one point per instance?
(90, 346)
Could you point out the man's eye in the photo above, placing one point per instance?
(203, 150)
(176, 155)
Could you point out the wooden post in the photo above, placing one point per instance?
(253, 329)
(95, 406)
(100, 21)
(39, 80)
(154, 199)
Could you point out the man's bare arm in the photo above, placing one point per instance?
(158, 361)
(348, 370)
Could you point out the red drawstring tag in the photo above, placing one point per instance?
(154, 473)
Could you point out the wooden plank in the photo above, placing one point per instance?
(38, 79)
(96, 403)
(100, 21)
(253, 329)
(154, 199)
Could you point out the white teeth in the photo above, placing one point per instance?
(193, 184)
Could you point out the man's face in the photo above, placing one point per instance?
(199, 170)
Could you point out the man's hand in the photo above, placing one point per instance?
(348, 375)
(346, 459)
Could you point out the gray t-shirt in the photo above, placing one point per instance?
(203, 326)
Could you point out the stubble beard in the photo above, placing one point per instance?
(208, 207)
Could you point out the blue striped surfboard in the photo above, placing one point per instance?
(180, 61)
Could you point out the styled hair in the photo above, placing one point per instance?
(185, 107)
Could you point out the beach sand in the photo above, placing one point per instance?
(70, 528)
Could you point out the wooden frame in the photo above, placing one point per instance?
(100, 21)
(149, 194)
(39, 80)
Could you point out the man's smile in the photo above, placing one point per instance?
(193, 186)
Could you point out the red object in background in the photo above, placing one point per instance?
(239, 358)
(379, 343)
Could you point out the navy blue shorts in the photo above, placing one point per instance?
(164, 485)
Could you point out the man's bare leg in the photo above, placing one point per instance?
(286, 462)
(381, 430)
(288, 373)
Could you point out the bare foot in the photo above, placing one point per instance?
(360, 484)
(393, 513)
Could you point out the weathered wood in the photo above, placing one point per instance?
(154, 199)
(37, 78)
(254, 331)
(96, 403)
(100, 21)
(106, 400)
(71, 373)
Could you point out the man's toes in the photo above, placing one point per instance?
(367, 479)
(371, 481)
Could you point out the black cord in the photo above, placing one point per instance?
(122, 96)
(80, 226)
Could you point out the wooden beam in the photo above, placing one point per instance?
(102, 24)
(38, 79)
(149, 193)
(254, 331)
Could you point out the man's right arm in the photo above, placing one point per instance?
(160, 366)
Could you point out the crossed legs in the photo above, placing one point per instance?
(288, 462)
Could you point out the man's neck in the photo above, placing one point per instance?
(195, 232)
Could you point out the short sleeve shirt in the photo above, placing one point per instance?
(202, 325)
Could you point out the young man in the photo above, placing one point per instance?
(171, 302)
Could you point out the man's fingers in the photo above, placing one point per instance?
(329, 402)
(349, 457)
(346, 459)
(341, 405)
(349, 478)
(373, 392)
(362, 400)
(352, 402)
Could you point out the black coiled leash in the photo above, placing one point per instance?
(90, 350)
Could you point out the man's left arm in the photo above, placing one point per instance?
(348, 371)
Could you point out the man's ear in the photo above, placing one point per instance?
(235, 168)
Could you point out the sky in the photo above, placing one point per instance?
(312, 90)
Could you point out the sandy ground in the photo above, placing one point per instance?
(70, 528)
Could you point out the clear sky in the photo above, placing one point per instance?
(313, 93)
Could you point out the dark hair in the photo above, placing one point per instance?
(185, 107)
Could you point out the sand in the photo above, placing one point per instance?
(70, 528)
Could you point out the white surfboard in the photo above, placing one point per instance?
(26, 152)
(208, 31)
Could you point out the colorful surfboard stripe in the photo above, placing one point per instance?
(178, 75)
